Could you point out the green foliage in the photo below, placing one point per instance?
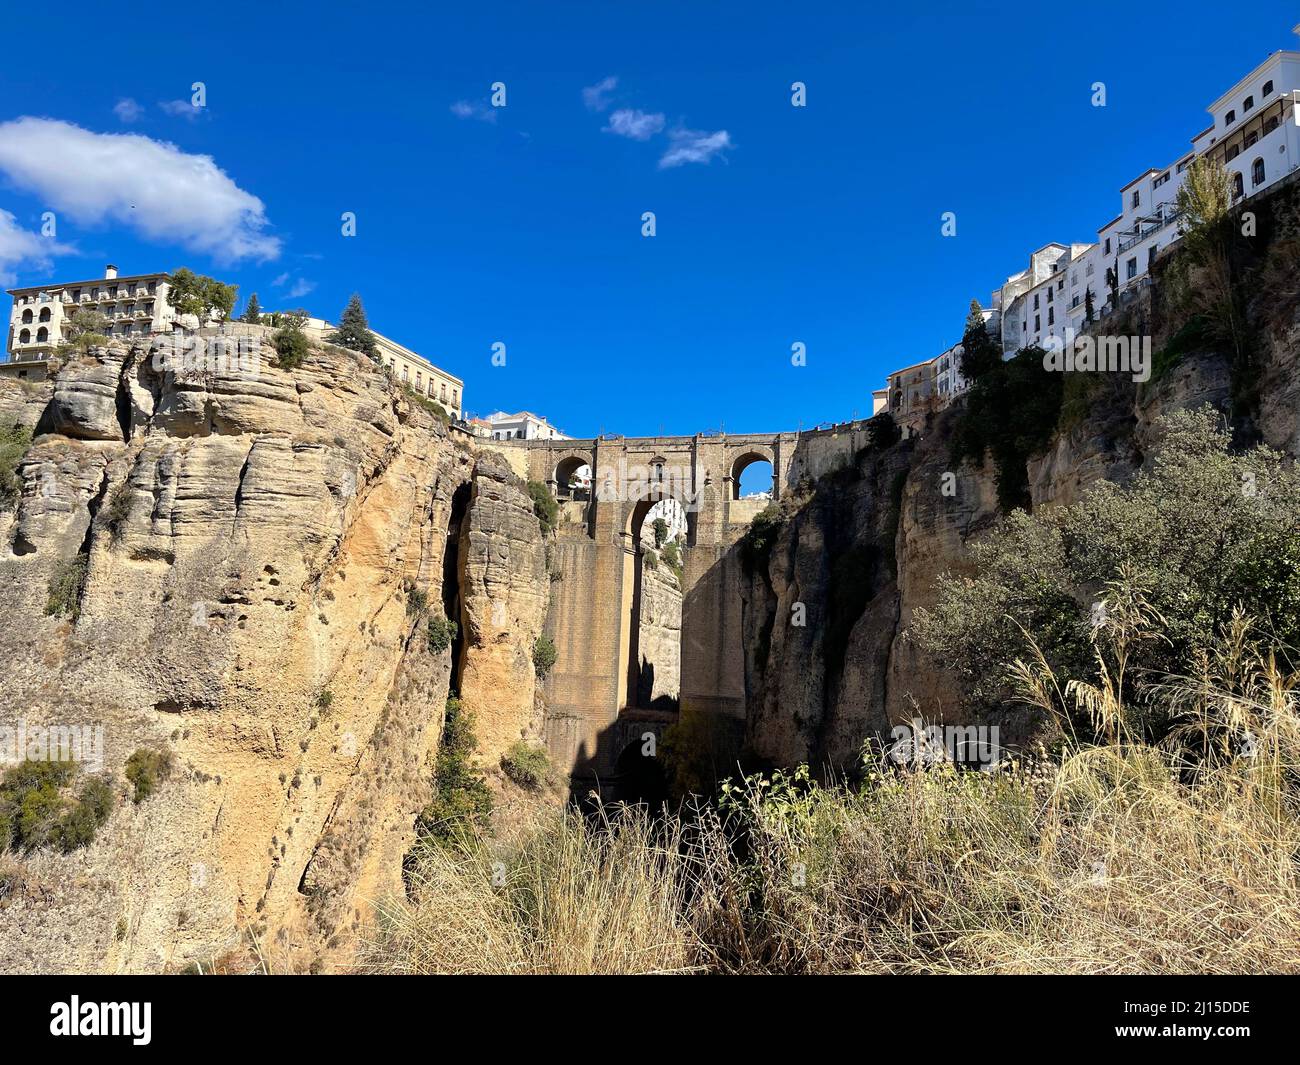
(441, 634)
(759, 539)
(87, 320)
(14, 442)
(651, 557)
(354, 330)
(425, 402)
(36, 811)
(291, 344)
(544, 655)
(660, 528)
(325, 700)
(146, 769)
(883, 431)
(197, 294)
(1011, 411)
(462, 801)
(671, 556)
(980, 352)
(544, 506)
(252, 311)
(1198, 533)
(67, 582)
(527, 765)
(116, 508)
(417, 601)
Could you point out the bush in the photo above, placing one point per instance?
(462, 800)
(417, 601)
(325, 700)
(441, 634)
(1198, 534)
(544, 655)
(883, 431)
(116, 509)
(527, 765)
(432, 406)
(544, 506)
(35, 812)
(14, 442)
(759, 539)
(65, 587)
(291, 345)
(146, 769)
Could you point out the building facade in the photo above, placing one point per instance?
(523, 425)
(41, 316)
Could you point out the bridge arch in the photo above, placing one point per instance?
(742, 460)
(566, 465)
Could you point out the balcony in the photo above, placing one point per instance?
(1153, 226)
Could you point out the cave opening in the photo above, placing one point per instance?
(451, 575)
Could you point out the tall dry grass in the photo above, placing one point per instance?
(1120, 857)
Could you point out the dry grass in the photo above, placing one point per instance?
(1112, 858)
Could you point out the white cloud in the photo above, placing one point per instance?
(596, 97)
(153, 187)
(180, 109)
(22, 246)
(283, 279)
(300, 288)
(473, 109)
(693, 146)
(127, 109)
(638, 125)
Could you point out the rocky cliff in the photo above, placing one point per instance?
(248, 560)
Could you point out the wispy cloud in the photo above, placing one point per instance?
(127, 110)
(300, 288)
(596, 97)
(181, 109)
(22, 247)
(475, 110)
(636, 125)
(693, 146)
(149, 186)
(283, 279)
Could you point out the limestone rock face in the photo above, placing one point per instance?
(505, 587)
(659, 639)
(257, 545)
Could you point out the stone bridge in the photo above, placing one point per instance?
(591, 693)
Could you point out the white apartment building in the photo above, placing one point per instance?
(929, 385)
(523, 425)
(411, 369)
(1254, 133)
(41, 315)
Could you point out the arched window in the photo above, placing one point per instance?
(42, 335)
(27, 316)
(1238, 189)
(45, 314)
(25, 337)
(1257, 172)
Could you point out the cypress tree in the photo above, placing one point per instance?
(354, 331)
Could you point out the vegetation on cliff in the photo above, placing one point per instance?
(14, 442)
(38, 807)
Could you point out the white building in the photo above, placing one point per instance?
(413, 370)
(523, 426)
(41, 315)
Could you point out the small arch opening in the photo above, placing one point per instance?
(751, 477)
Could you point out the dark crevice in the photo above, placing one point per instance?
(451, 575)
(123, 399)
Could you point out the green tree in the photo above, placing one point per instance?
(354, 331)
(1088, 310)
(15, 439)
(980, 352)
(660, 528)
(252, 311)
(200, 295)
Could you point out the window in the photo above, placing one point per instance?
(419, 382)
(1270, 124)
(1035, 301)
(42, 335)
(1268, 88)
(1037, 323)
(1137, 197)
(1247, 104)
(1049, 295)
(1131, 269)
(1251, 138)
(1257, 172)
(27, 316)
(25, 337)
(152, 287)
(1160, 180)
(1233, 150)
(455, 397)
(405, 374)
(1230, 118)
(1051, 315)
(1238, 189)
(1108, 245)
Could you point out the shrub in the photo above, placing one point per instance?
(36, 812)
(116, 509)
(527, 765)
(462, 800)
(291, 345)
(660, 528)
(417, 601)
(651, 557)
(544, 655)
(441, 634)
(544, 506)
(325, 700)
(883, 431)
(431, 405)
(14, 442)
(759, 539)
(146, 769)
(66, 585)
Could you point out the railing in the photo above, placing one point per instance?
(1132, 241)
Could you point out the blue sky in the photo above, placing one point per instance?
(522, 224)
